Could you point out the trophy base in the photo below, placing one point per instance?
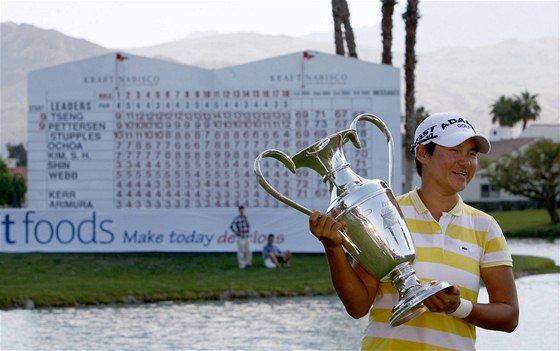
(410, 306)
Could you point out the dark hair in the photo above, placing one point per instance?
(430, 147)
(241, 207)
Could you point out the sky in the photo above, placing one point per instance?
(128, 24)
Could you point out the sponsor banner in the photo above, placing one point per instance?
(188, 230)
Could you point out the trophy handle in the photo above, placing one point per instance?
(287, 161)
(383, 127)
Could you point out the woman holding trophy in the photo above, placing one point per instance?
(454, 242)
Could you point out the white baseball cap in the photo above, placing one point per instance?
(448, 129)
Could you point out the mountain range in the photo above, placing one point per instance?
(465, 79)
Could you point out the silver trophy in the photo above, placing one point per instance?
(376, 234)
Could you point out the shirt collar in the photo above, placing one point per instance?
(417, 202)
(457, 210)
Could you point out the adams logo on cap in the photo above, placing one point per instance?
(447, 129)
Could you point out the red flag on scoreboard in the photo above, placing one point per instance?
(307, 55)
(121, 57)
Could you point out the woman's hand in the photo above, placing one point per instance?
(326, 228)
(446, 300)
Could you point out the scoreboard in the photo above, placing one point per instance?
(120, 131)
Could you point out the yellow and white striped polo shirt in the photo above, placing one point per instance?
(453, 250)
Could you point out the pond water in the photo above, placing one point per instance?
(300, 323)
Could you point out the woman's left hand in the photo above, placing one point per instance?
(446, 300)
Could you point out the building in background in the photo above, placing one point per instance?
(484, 194)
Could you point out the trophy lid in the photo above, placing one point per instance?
(327, 154)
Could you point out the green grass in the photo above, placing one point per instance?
(527, 224)
(85, 279)
(69, 279)
(526, 265)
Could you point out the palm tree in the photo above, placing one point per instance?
(341, 16)
(502, 112)
(410, 17)
(528, 107)
(508, 111)
(387, 9)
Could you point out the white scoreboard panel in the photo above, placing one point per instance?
(123, 131)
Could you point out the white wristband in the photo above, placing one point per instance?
(464, 309)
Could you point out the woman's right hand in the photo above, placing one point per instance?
(327, 228)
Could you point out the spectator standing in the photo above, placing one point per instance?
(241, 228)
